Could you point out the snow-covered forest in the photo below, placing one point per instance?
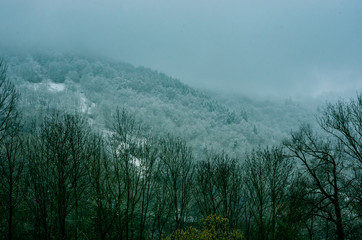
(93, 149)
(180, 120)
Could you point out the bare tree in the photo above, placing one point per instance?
(177, 174)
(126, 142)
(331, 159)
(11, 160)
(267, 177)
(205, 192)
(39, 199)
(324, 167)
(218, 188)
(343, 121)
(9, 115)
(57, 164)
(148, 156)
(100, 194)
(136, 161)
(161, 206)
(78, 150)
(12, 180)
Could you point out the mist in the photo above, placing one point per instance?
(256, 48)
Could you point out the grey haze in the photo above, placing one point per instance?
(283, 48)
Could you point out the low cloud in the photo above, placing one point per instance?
(249, 47)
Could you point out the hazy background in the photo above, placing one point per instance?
(259, 47)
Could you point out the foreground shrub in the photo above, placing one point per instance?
(213, 227)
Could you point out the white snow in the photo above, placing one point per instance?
(83, 103)
(56, 87)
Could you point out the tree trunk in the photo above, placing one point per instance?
(339, 224)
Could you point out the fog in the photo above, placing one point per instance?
(259, 47)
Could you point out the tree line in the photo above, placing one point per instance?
(63, 180)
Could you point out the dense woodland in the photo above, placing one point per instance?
(96, 87)
(63, 178)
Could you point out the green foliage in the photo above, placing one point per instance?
(213, 227)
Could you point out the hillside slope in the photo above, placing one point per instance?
(96, 87)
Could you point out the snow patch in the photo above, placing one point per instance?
(85, 105)
(56, 87)
(34, 86)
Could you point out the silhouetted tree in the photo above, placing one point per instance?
(12, 181)
(267, 177)
(58, 178)
(343, 121)
(126, 142)
(218, 187)
(325, 168)
(177, 173)
(99, 170)
(9, 115)
(148, 160)
(11, 161)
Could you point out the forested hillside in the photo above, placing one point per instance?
(97, 87)
(93, 149)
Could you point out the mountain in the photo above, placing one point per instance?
(96, 87)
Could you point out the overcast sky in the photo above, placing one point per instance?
(254, 47)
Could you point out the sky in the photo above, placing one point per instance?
(251, 47)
